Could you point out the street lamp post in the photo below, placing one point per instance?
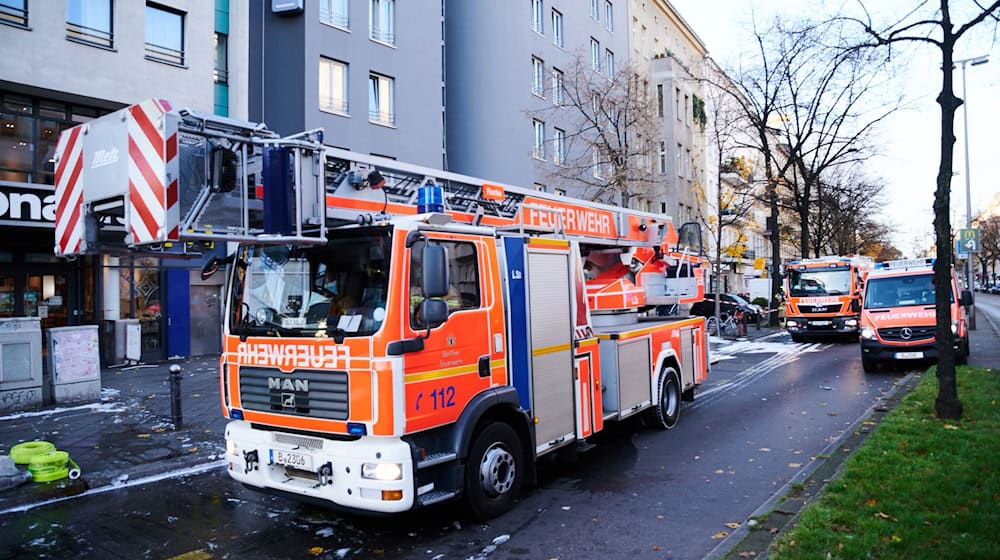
(969, 261)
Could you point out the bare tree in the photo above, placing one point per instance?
(610, 127)
(850, 202)
(729, 202)
(930, 23)
(989, 244)
(831, 103)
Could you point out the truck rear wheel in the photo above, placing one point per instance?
(493, 471)
(666, 409)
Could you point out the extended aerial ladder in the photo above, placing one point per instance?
(171, 176)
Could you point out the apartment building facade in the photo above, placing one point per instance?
(506, 62)
(66, 62)
(371, 74)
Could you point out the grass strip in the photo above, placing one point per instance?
(920, 487)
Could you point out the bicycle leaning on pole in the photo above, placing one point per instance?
(727, 324)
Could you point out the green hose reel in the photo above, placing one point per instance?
(45, 463)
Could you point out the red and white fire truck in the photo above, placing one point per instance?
(395, 336)
(899, 318)
(823, 296)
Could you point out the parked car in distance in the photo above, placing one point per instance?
(727, 305)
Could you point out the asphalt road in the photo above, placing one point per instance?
(769, 409)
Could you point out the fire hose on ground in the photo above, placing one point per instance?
(45, 463)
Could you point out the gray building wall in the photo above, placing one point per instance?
(40, 60)
(288, 79)
(490, 105)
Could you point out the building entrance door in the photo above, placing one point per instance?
(206, 320)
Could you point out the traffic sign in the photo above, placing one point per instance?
(968, 240)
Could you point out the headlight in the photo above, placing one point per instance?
(851, 322)
(954, 327)
(231, 448)
(382, 471)
(867, 333)
(791, 324)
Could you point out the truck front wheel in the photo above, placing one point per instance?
(493, 471)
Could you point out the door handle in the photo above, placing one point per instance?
(484, 366)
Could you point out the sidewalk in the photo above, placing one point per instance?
(126, 436)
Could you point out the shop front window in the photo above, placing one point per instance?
(139, 293)
(6, 296)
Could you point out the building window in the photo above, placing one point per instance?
(557, 86)
(333, 86)
(677, 103)
(29, 132)
(164, 35)
(557, 29)
(659, 100)
(14, 12)
(596, 155)
(663, 157)
(382, 20)
(89, 21)
(595, 9)
(335, 13)
(537, 77)
(635, 33)
(677, 160)
(687, 112)
(537, 16)
(221, 58)
(609, 16)
(559, 147)
(381, 106)
(595, 54)
(609, 63)
(539, 150)
(688, 164)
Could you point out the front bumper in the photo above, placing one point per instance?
(880, 351)
(344, 487)
(822, 325)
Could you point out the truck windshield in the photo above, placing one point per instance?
(819, 282)
(900, 291)
(316, 291)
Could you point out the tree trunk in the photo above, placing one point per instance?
(775, 252)
(947, 405)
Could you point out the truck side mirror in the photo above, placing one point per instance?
(855, 306)
(435, 273)
(434, 312)
(966, 299)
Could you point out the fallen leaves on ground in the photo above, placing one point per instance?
(720, 535)
(733, 525)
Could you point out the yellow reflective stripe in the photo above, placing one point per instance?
(586, 342)
(551, 349)
(458, 370)
(535, 242)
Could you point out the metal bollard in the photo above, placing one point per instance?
(175, 395)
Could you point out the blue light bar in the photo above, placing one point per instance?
(356, 429)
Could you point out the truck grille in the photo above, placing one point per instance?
(896, 334)
(313, 393)
(819, 308)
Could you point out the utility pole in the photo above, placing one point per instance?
(969, 261)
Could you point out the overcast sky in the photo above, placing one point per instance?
(912, 136)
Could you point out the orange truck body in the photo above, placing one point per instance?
(823, 296)
(539, 328)
(899, 318)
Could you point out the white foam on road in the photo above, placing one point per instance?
(93, 407)
(120, 483)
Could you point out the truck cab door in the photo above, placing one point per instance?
(457, 358)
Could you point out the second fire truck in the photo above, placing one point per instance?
(823, 296)
(395, 336)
